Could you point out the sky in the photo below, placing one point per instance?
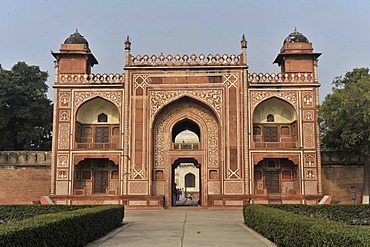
(339, 29)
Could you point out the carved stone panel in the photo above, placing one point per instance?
(309, 135)
(114, 97)
(259, 96)
(138, 187)
(63, 142)
(233, 187)
(160, 98)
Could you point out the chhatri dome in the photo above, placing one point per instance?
(295, 37)
(76, 38)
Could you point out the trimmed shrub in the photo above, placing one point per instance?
(70, 228)
(10, 213)
(358, 214)
(289, 229)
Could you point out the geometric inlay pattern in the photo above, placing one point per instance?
(234, 187)
(310, 187)
(138, 187)
(231, 80)
(63, 142)
(308, 135)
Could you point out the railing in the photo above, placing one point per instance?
(185, 60)
(186, 146)
(281, 78)
(96, 145)
(92, 78)
(274, 145)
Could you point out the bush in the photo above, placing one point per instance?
(70, 228)
(349, 214)
(10, 213)
(289, 229)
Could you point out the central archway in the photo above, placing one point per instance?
(173, 119)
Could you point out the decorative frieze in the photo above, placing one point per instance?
(114, 97)
(259, 96)
(268, 78)
(158, 99)
(185, 60)
(92, 78)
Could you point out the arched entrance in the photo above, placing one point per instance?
(276, 176)
(185, 134)
(186, 180)
(96, 176)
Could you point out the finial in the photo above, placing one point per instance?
(127, 43)
(76, 30)
(243, 42)
(295, 29)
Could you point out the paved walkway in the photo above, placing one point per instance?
(184, 227)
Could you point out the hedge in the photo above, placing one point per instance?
(358, 214)
(289, 229)
(70, 228)
(10, 213)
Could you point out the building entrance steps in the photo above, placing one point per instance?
(184, 227)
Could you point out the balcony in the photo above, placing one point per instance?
(185, 146)
(89, 144)
(274, 145)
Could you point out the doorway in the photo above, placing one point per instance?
(186, 189)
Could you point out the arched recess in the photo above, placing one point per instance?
(275, 125)
(97, 125)
(167, 123)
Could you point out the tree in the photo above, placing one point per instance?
(25, 110)
(344, 119)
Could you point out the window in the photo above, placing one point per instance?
(270, 118)
(102, 134)
(190, 180)
(102, 118)
(270, 134)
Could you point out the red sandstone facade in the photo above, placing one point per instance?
(116, 136)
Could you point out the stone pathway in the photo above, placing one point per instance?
(184, 227)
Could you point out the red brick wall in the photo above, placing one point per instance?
(337, 181)
(24, 185)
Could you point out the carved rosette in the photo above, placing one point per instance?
(165, 117)
(212, 98)
(141, 81)
(81, 97)
(259, 96)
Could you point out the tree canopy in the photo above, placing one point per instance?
(344, 115)
(25, 111)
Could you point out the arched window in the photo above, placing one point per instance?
(270, 118)
(190, 180)
(102, 118)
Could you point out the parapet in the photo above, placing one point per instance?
(24, 158)
(185, 60)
